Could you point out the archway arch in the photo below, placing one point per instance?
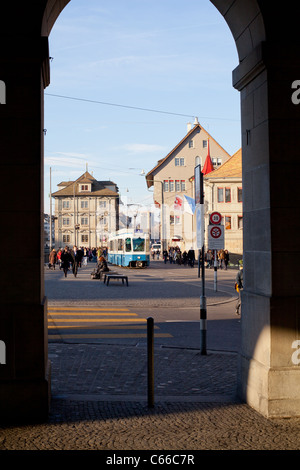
(269, 64)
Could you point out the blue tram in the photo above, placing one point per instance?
(129, 249)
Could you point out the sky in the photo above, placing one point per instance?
(125, 79)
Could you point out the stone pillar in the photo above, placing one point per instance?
(269, 373)
(24, 377)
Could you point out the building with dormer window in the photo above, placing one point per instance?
(86, 212)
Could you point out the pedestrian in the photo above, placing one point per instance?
(221, 257)
(226, 258)
(59, 257)
(191, 257)
(52, 259)
(171, 255)
(76, 259)
(165, 256)
(66, 259)
(157, 254)
(239, 287)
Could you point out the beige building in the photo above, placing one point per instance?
(174, 187)
(223, 194)
(86, 212)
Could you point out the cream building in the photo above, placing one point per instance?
(86, 212)
(174, 187)
(223, 194)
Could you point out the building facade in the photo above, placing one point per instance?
(86, 212)
(223, 193)
(174, 187)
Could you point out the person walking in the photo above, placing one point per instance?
(191, 258)
(239, 288)
(66, 259)
(52, 259)
(76, 259)
(226, 258)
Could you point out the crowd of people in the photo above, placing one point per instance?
(69, 259)
(174, 255)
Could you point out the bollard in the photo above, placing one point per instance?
(150, 347)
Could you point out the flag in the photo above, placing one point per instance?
(208, 166)
(190, 206)
(178, 203)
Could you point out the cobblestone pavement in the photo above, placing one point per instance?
(100, 402)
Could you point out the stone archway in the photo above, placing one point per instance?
(269, 64)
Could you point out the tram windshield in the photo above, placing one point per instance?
(138, 244)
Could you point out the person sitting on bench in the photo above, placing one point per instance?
(102, 267)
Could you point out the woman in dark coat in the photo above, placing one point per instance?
(66, 259)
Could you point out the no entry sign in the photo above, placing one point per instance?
(215, 218)
(215, 237)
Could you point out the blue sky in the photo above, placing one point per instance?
(170, 56)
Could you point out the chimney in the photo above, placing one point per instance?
(189, 126)
(196, 122)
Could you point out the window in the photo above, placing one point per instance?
(177, 220)
(171, 219)
(171, 185)
(138, 244)
(240, 195)
(182, 185)
(177, 186)
(179, 161)
(102, 220)
(84, 204)
(120, 244)
(127, 244)
(66, 238)
(227, 195)
(102, 204)
(66, 221)
(214, 161)
(166, 185)
(66, 204)
(204, 143)
(84, 221)
(84, 187)
(220, 194)
(227, 222)
(219, 161)
(240, 222)
(191, 144)
(84, 238)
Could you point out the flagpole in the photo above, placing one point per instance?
(203, 315)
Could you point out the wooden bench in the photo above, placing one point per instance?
(108, 276)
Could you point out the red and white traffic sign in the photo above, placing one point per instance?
(215, 218)
(215, 237)
(216, 232)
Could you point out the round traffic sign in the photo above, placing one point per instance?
(215, 218)
(216, 232)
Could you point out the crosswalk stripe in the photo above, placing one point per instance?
(64, 318)
(108, 335)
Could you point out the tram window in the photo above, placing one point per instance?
(128, 244)
(120, 244)
(138, 244)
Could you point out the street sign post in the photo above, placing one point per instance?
(199, 201)
(215, 239)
